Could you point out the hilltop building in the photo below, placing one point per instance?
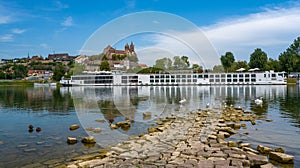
(109, 51)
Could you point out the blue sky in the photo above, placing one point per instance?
(47, 26)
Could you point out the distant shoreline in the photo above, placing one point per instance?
(16, 83)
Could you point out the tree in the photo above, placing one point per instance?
(239, 64)
(164, 63)
(273, 65)
(290, 59)
(59, 72)
(20, 71)
(78, 68)
(258, 59)
(227, 60)
(218, 69)
(197, 68)
(104, 66)
(180, 63)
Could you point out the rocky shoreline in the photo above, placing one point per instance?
(195, 140)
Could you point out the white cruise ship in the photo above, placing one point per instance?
(107, 78)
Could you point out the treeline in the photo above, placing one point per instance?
(288, 61)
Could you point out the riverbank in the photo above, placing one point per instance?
(195, 140)
(16, 83)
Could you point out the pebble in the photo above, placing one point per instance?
(195, 140)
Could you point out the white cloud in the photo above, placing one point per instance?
(5, 19)
(18, 31)
(67, 22)
(272, 30)
(60, 5)
(6, 38)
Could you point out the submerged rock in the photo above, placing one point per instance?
(97, 130)
(281, 157)
(281, 150)
(114, 126)
(71, 140)
(88, 140)
(74, 127)
(124, 124)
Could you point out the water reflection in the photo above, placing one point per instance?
(35, 99)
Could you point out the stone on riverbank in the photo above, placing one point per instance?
(124, 124)
(263, 150)
(114, 126)
(71, 140)
(281, 157)
(147, 115)
(74, 127)
(281, 150)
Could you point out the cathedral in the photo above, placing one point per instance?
(129, 50)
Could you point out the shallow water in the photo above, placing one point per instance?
(55, 109)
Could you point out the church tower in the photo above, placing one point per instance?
(127, 48)
(131, 48)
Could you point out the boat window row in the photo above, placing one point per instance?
(92, 77)
(231, 80)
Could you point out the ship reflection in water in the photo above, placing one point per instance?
(115, 104)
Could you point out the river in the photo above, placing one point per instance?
(55, 109)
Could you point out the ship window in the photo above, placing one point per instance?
(234, 75)
(241, 80)
(253, 75)
(177, 76)
(223, 76)
(124, 81)
(124, 77)
(253, 80)
(247, 80)
(156, 81)
(167, 80)
(228, 80)
(167, 76)
(173, 80)
(265, 75)
(241, 75)
(172, 76)
(217, 80)
(273, 75)
(156, 76)
(177, 80)
(151, 81)
(211, 80)
(194, 80)
(183, 76)
(205, 76)
(247, 75)
(200, 76)
(194, 76)
(188, 76)
(211, 76)
(229, 75)
(234, 80)
(151, 76)
(189, 80)
(161, 81)
(222, 80)
(217, 76)
(183, 80)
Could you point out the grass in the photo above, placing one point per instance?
(16, 83)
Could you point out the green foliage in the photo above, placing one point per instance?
(20, 71)
(151, 70)
(273, 65)
(133, 58)
(118, 57)
(258, 59)
(164, 63)
(239, 64)
(290, 59)
(218, 69)
(197, 68)
(227, 60)
(78, 68)
(59, 72)
(180, 63)
(104, 66)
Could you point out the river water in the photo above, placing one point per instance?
(55, 109)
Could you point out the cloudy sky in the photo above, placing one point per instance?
(55, 26)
